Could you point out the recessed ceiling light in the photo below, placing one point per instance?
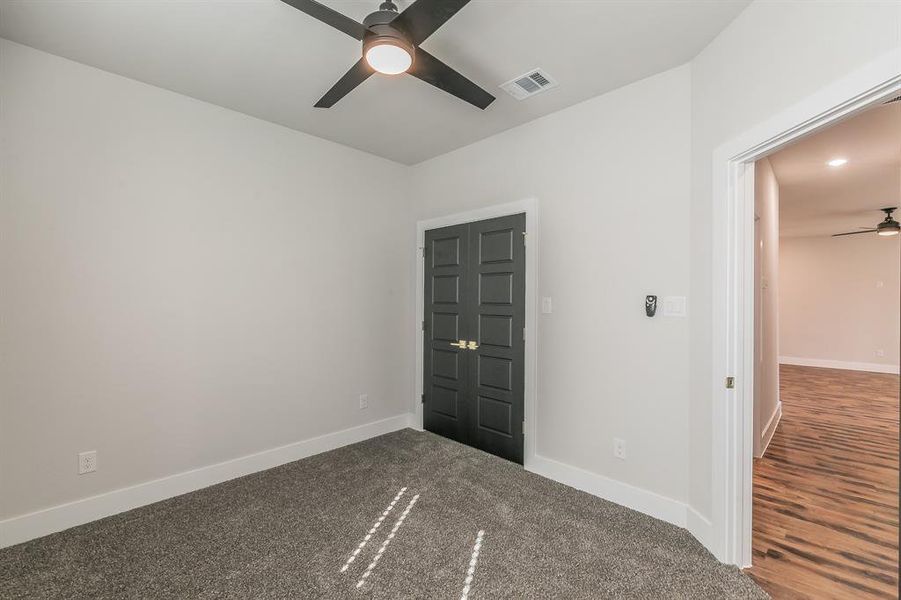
(837, 162)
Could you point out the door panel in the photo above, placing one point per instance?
(497, 267)
(445, 326)
(445, 410)
(495, 372)
(446, 289)
(475, 291)
(446, 401)
(496, 288)
(495, 416)
(496, 330)
(496, 246)
(445, 364)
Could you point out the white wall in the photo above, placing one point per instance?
(182, 284)
(611, 177)
(839, 301)
(766, 339)
(772, 56)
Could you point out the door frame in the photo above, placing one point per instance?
(529, 206)
(732, 410)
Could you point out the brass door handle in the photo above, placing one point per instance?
(464, 345)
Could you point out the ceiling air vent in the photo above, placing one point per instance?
(529, 84)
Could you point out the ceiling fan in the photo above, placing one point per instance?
(391, 46)
(888, 226)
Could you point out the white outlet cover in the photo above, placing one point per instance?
(87, 462)
(364, 401)
(619, 448)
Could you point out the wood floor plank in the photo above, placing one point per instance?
(825, 515)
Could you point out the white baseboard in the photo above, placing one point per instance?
(22, 528)
(647, 502)
(57, 518)
(839, 364)
(766, 435)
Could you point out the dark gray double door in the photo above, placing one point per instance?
(473, 382)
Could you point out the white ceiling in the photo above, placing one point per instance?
(266, 59)
(815, 199)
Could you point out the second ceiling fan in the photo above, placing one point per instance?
(888, 226)
(391, 42)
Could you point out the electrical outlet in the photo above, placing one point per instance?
(619, 448)
(880, 352)
(87, 462)
(364, 401)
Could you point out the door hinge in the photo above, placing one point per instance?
(523, 429)
(422, 251)
(423, 325)
(730, 383)
(523, 334)
(422, 397)
(524, 236)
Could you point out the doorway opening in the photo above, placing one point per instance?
(728, 531)
(826, 387)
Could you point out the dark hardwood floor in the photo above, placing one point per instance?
(826, 491)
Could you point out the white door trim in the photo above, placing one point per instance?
(528, 206)
(733, 287)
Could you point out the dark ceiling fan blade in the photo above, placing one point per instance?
(422, 18)
(357, 74)
(853, 232)
(328, 16)
(431, 70)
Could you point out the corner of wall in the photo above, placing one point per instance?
(702, 529)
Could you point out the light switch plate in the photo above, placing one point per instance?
(674, 306)
(546, 305)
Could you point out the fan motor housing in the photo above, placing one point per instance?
(888, 224)
(380, 31)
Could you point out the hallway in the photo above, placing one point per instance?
(826, 492)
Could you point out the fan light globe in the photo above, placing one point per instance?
(888, 231)
(389, 59)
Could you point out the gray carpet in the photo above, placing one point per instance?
(287, 532)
